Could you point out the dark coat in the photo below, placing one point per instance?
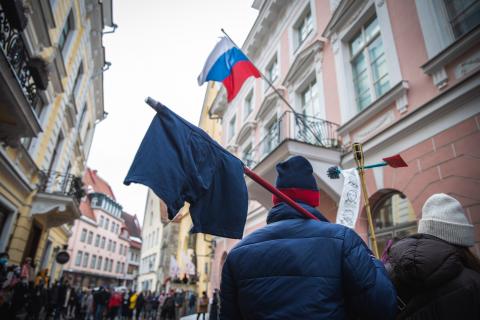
(297, 268)
(432, 280)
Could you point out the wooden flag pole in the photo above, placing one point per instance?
(359, 159)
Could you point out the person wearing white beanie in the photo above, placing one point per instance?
(435, 273)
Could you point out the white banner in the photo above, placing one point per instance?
(350, 200)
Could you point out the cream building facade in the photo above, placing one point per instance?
(51, 87)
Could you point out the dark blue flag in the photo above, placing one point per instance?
(180, 162)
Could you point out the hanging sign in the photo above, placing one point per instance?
(62, 257)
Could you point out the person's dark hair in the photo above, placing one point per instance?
(469, 259)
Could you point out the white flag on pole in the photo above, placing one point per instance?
(174, 269)
(349, 205)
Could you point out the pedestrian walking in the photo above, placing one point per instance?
(114, 304)
(168, 307)
(299, 268)
(202, 305)
(192, 301)
(140, 305)
(214, 306)
(435, 273)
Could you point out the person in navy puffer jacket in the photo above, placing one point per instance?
(297, 268)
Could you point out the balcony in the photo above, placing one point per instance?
(58, 198)
(315, 139)
(20, 79)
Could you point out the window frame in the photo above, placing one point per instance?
(68, 28)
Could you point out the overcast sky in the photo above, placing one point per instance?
(158, 50)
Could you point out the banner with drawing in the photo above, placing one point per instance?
(350, 200)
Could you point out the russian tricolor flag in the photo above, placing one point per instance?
(227, 64)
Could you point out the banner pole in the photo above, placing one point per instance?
(359, 159)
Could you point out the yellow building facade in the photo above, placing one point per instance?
(197, 249)
(51, 97)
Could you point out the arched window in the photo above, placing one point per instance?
(394, 218)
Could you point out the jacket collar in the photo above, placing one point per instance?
(283, 211)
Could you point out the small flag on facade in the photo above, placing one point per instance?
(229, 65)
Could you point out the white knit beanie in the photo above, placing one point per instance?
(444, 218)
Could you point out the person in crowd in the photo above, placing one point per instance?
(300, 268)
(114, 304)
(20, 296)
(147, 304)
(89, 305)
(38, 299)
(100, 298)
(133, 302)
(126, 305)
(192, 301)
(168, 307)
(28, 270)
(202, 305)
(154, 300)
(434, 271)
(214, 306)
(140, 305)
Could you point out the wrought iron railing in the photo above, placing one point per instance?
(61, 184)
(296, 127)
(14, 49)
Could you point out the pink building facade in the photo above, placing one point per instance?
(397, 76)
(99, 244)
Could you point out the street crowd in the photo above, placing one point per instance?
(24, 296)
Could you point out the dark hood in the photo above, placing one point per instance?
(283, 211)
(422, 262)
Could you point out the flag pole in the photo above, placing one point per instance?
(295, 113)
(268, 186)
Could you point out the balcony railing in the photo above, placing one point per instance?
(295, 127)
(14, 49)
(59, 183)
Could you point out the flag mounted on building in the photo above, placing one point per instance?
(229, 65)
(180, 162)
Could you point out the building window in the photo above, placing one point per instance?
(93, 263)
(109, 246)
(272, 136)
(102, 244)
(110, 265)
(117, 268)
(394, 218)
(272, 70)
(463, 15)
(247, 155)
(99, 264)
(97, 240)
(101, 221)
(231, 128)
(90, 237)
(369, 65)
(105, 265)
(114, 246)
(85, 259)
(309, 100)
(302, 28)
(121, 249)
(67, 28)
(78, 259)
(107, 221)
(78, 78)
(83, 235)
(112, 229)
(247, 105)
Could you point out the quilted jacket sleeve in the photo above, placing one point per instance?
(228, 295)
(369, 291)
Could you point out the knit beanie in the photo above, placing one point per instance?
(295, 179)
(444, 218)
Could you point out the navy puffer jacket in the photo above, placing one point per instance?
(296, 268)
